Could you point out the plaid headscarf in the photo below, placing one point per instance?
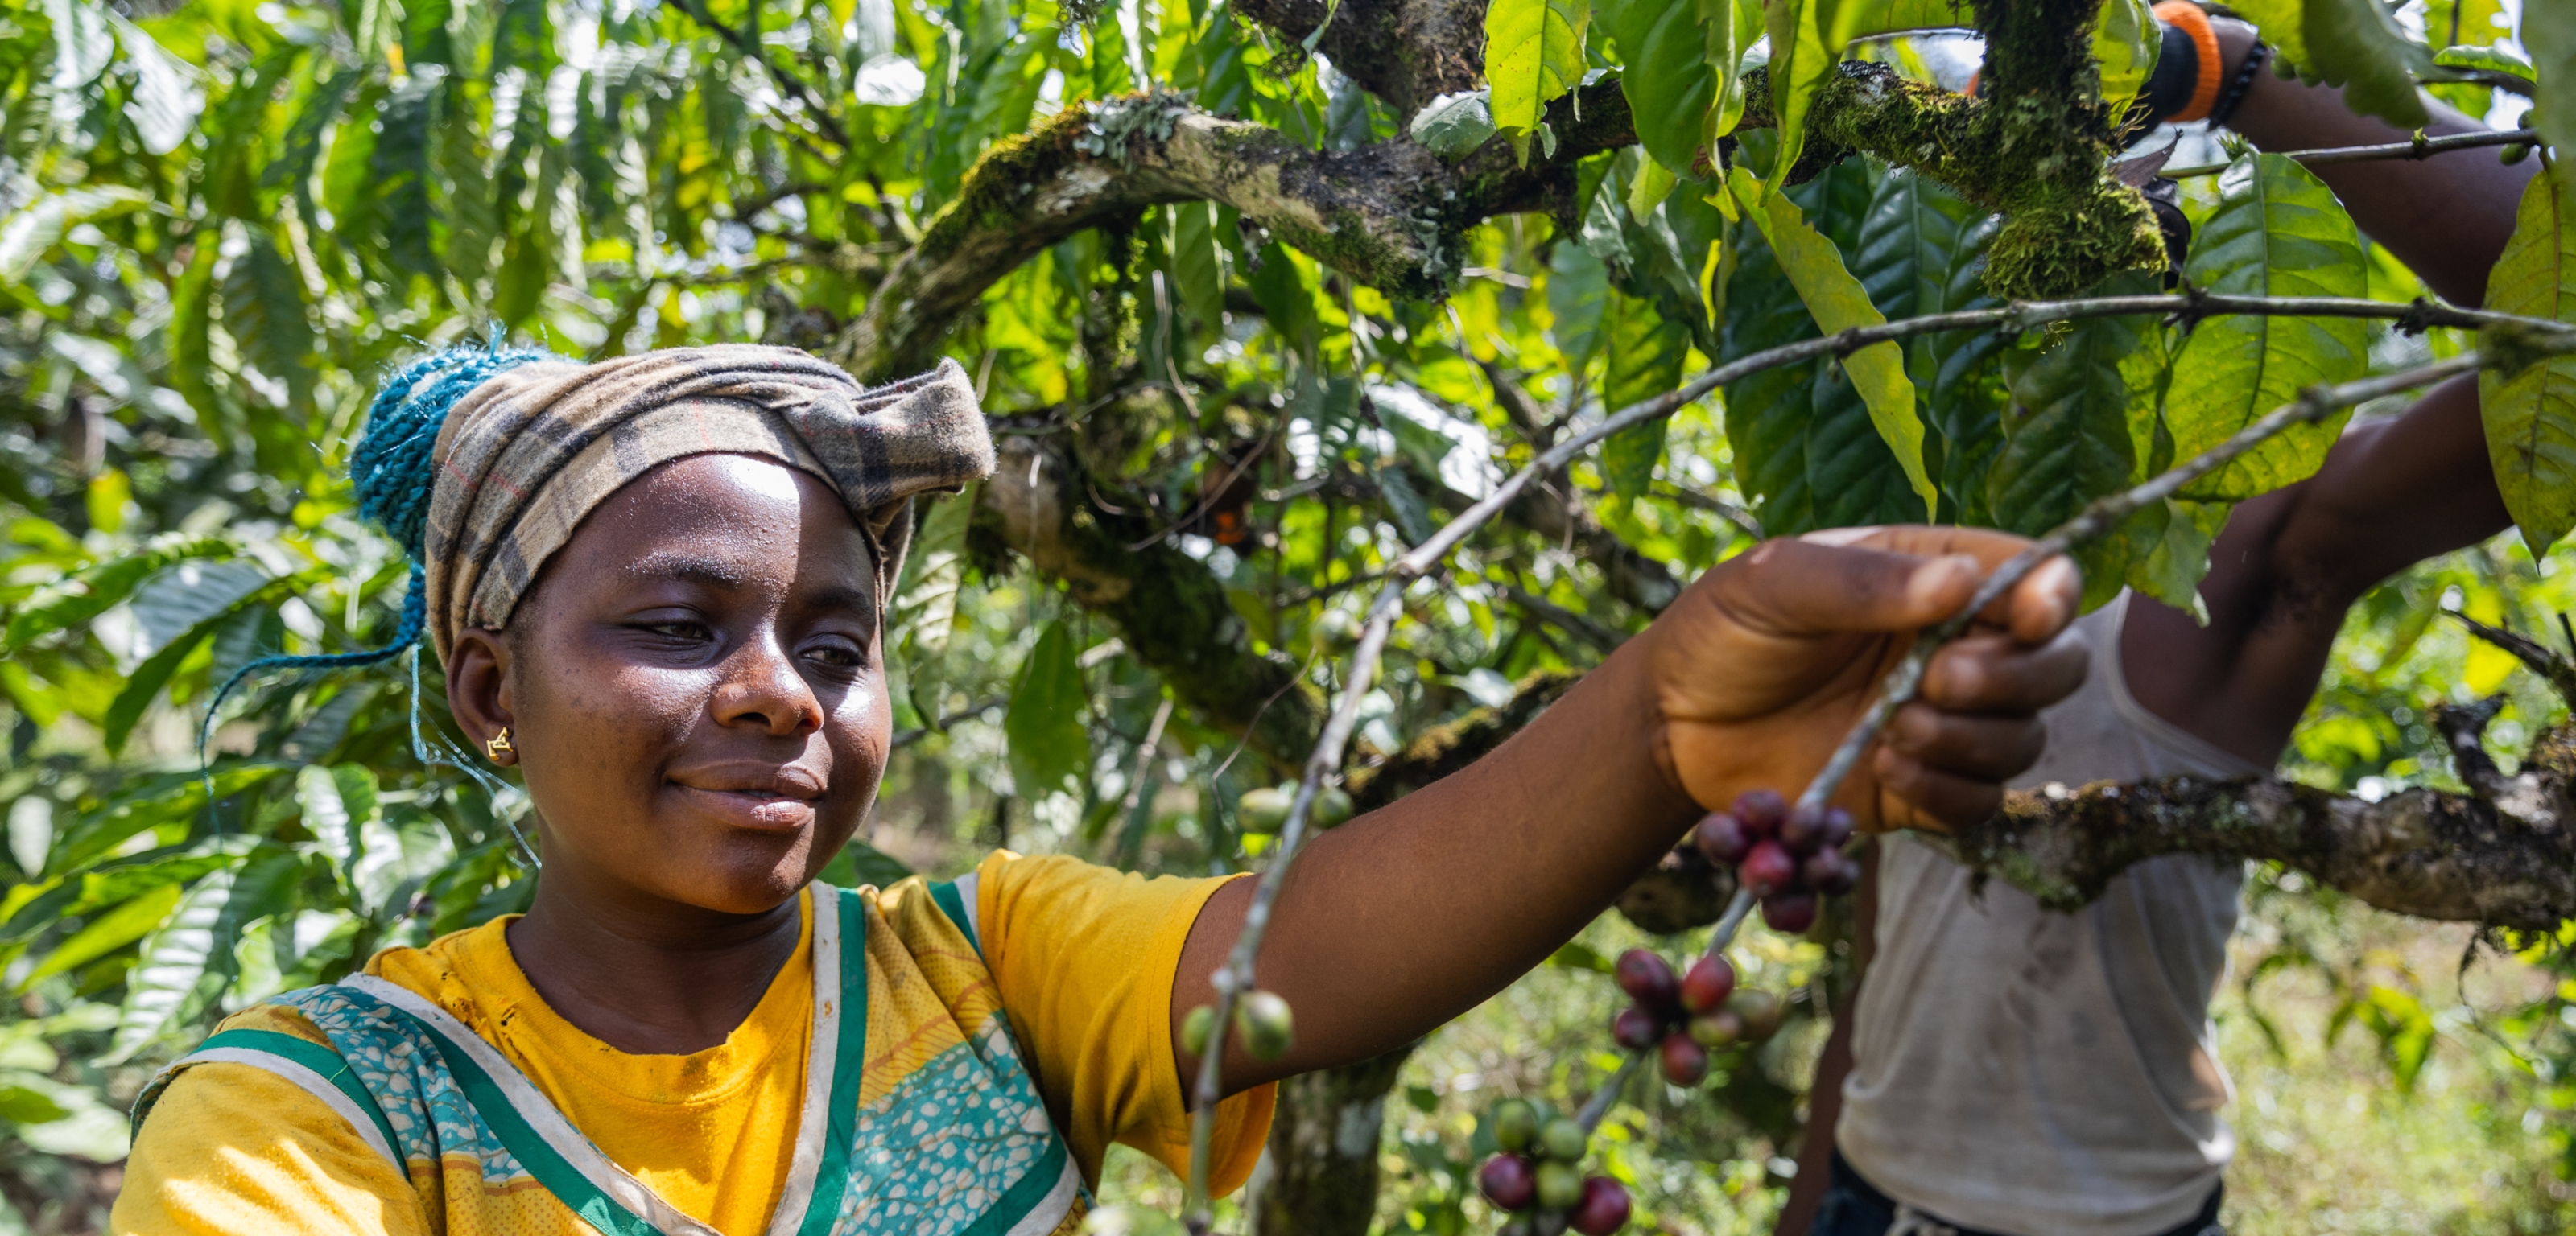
(530, 451)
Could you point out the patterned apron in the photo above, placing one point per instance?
(961, 1145)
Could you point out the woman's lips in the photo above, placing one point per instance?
(758, 810)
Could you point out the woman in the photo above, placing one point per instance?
(657, 584)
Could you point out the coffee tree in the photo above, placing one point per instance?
(1361, 372)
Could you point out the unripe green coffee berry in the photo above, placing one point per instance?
(1197, 1029)
(1560, 1186)
(1332, 806)
(1265, 809)
(1564, 1141)
(2511, 155)
(1261, 1018)
(1515, 1125)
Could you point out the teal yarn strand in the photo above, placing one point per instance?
(394, 476)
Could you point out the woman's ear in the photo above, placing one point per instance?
(478, 691)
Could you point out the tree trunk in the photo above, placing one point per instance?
(1323, 1149)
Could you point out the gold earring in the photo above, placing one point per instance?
(497, 744)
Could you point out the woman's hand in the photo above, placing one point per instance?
(1761, 668)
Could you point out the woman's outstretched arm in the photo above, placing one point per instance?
(1402, 919)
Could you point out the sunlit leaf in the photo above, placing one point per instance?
(1533, 53)
(2530, 414)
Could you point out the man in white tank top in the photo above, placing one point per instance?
(2027, 1073)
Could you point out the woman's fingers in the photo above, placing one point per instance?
(1991, 748)
(1939, 797)
(1991, 672)
(1947, 566)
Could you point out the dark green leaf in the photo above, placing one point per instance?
(2358, 45)
(1646, 356)
(1050, 742)
(2066, 439)
(2277, 232)
(1666, 75)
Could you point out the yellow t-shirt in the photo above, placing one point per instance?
(1079, 959)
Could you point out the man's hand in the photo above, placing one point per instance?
(1762, 667)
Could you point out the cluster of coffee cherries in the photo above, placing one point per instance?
(1787, 856)
(1683, 1019)
(1539, 1179)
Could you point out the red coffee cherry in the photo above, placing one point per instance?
(1604, 1208)
(1769, 868)
(1685, 1061)
(1710, 981)
(1508, 1182)
(1648, 979)
(1723, 839)
(1789, 913)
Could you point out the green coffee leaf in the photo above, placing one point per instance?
(1839, 303)
(1577, 282)
(2277, 232)
(2530, 415)
(108, 932)
(1801, 62)
(182, 968)
(1666, 75)
(2125, 44)
(2549, 34)
(2282, 23)
(2358, 45)
(1920, 250)
(2171, 569)
(1533, 53)
(1454, 124)
(1767, 412)
(1852, 476)
(89, 592)
(1726, 28)
(1050, 743)
(2066, 438)
(1646, 356)
(1860, 19)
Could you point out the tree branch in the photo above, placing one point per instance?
(1168, 607)
(1390, 215)
(2433, 855)
(1407, 52)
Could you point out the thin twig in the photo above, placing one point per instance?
(909, 737)
(2418, 148)
(1237, 974)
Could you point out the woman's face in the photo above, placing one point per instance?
(694, 689)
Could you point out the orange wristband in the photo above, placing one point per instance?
(2187, 17)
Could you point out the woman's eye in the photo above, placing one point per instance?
(691, 632)
(838, 656)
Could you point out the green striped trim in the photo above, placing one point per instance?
(329, 1064)
(832, 1176)
(559, 1177)
(1024, 1196)
(952, 904)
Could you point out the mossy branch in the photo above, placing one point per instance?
(1389, 214)
(2454, 857)
(2040, 160)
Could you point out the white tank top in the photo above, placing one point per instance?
(2022, 1071)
